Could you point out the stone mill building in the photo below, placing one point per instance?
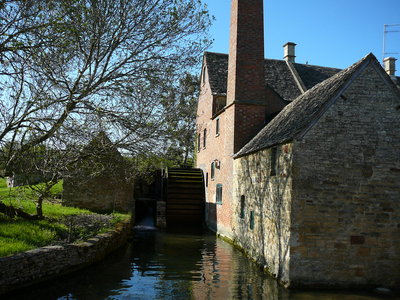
(302, 162)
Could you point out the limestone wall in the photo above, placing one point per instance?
(268, 198)
(36, 265)
(346, 191)
(101, 181)
(100, 194)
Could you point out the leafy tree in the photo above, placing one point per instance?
(182, 130)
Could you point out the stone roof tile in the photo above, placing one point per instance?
(217, 66)
(300, 113)
(312, 75)
(397, 82)
(277, 75)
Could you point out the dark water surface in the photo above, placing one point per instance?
(174, 265)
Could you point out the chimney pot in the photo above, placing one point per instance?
(389, 64)
(289, 52)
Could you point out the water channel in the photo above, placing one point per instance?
(174, 265)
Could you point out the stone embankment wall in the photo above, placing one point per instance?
(40, 264)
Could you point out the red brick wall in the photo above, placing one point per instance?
(249, 120)
(218, 215)
(241, 120)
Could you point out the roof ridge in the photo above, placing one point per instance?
(218, 53)
(276, 59)
(297, 78)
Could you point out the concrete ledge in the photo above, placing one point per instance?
(40, 264)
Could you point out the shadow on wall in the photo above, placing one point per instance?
(263, 207)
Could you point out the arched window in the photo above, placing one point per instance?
(212, 170)
(203, 75)
(242, 206)
(204, 138)
(218, 197)
(252, 220)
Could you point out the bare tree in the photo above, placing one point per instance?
(75, 61)
(181, 131)
(72, 68)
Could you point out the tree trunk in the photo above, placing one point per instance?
(39, 207)
(186, 156)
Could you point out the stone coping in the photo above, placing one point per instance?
(33, 266)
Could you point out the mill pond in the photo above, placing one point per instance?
(175, 265)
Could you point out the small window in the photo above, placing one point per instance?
(217, 127)
(206, 179)
(198, 142)
(242, 204)
(273, 162)
(252, 220)
(204, 138)
(212, 170)
(218, 197)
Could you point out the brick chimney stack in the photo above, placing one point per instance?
(246, 82)
(246, 89)
(246, 79)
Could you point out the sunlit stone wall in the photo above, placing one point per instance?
(346, 191)
(262, 202)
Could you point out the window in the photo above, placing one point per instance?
(212, 170)
(242, 203)
(206, 179)
(219, 103)
(218, 197)
(252, 220)
(217, 127)
(204, 137)
(198, 142)
(273, 162)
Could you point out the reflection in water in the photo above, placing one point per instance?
(185, 266)
(178, 265)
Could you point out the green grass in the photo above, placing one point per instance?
(24, 198)
(18, 235)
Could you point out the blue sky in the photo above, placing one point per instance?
(334, 33)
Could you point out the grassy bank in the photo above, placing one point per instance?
(62, 224)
